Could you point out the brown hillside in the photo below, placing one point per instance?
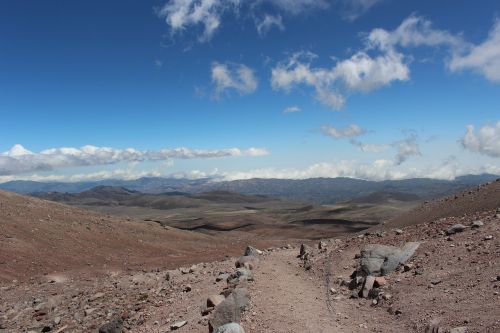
(41, 237)
(481, 198)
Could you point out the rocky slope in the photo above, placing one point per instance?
(450, 283)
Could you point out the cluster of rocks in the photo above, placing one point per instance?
(224, 310)
(374, 262)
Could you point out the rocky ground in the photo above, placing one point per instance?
(451, 281)
(446, 280)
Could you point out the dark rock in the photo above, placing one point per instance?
(305, 251)
(114, 326)
(455, 228)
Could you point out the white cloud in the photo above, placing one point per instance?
(18, 160)
(377, 170)
(360, 72)
(414, 31)
(350, 131)
(291, 109)
(486, 141)
(268, 22)
(355, 8)
(483, 58)
(208, 15)
(233, 76)
(181, 14)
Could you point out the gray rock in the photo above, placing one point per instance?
(477, 224)
(455, 228)
(221, 277)
(305, 251)
(177, 325)
(215, 300)
(230, 310)
(230, 328)
(252, 251)
(462, 329)
(241, 274)
(380, 260)
(367, 286)
(248, 261)
(114, 326)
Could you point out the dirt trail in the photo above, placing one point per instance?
(286, 296)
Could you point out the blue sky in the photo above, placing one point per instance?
(381, 89)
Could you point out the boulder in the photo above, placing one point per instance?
(114, 326)
(229, 311)
(241, 274)
(379, 260)
(455, 228)
(305, 251)
(252, 251)
(230, 328)
(247, 261)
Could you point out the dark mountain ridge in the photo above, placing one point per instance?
(316, 190)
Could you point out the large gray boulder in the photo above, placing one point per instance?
(377, 260)
(230, 310)
(230, 328)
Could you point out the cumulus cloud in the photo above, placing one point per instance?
(486, 141)
(350, 131)
(182, 14)
(19, 160)
(414, 31)
(232, 76)
(355, 8)
(268, 22)
(291, 109)
(483, 58)
(377, 170)
(360, 72)
(208, 15)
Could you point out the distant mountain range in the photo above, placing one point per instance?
(314, 190)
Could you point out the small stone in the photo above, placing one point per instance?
(177, 325)
(398, 312)
(367, 286)
(187, 288)
(398, 231)
(88, 312)
(380, 281)
(477, 224)
(57, 320)
(455, 228)
(489, 237)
